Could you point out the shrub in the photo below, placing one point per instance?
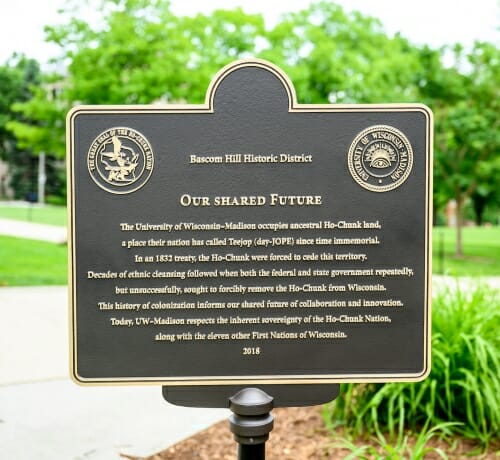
(463, 386)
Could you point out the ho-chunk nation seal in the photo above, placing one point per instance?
(120, 160)
(380, 158)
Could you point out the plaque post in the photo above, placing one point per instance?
(251, 422)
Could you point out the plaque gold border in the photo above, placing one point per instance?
(207, 108)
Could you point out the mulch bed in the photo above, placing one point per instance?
(299, 434)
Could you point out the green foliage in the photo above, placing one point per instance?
(401, 448)
(139, 52)
(467, 129)
(466, 360)
(41, 127)
(332, 56)
(461, 389)
(16, 80)
(32, 263)
(142, 53)
(148, 54)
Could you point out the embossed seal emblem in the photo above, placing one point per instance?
(120, 160)
(380, 158)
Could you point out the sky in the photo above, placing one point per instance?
(434, 22)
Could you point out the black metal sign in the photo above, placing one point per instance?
(250, 239)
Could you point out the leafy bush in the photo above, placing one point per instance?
(382, 448)
(463, 386)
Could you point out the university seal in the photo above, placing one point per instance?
(380, 158)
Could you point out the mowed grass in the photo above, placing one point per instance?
(481, 248)
(32, 263)
(53, 215)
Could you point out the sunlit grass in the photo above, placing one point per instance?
(53, 215)
(32, 263)
(481, 248)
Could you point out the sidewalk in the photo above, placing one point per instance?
(45, 416)
(44, 232)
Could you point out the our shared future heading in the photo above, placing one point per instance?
(274, 199)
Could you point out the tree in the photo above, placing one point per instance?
(140, 54)
(467, 127)
(17, 78)
(332, 56)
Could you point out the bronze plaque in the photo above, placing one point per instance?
(251, 239)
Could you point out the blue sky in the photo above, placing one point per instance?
(435, 22)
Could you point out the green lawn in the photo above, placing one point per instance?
(32, 263)
(481, 251)
(54, 215)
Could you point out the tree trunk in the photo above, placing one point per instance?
(458, 247)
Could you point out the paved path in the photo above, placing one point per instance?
(51, 233)
(45, 416)
(465, 283)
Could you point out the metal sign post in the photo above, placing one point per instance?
(251, 422)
